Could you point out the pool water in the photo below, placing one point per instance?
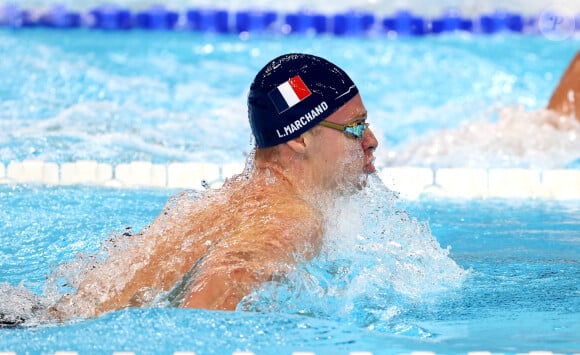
(514, 288)
(441, 101)
(448, 276)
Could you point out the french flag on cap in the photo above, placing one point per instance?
(289, 93)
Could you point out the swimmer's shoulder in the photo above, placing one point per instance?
(187, 202)
(300, 222)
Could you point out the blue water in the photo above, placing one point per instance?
(520, 292)
(507, 284)
(166, 96)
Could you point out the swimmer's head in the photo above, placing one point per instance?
(292, 94)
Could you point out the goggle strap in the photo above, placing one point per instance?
(333, 125)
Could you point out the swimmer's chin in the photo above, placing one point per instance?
(363, 182)
(370, 169)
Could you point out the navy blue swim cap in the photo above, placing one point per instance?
(292, 93)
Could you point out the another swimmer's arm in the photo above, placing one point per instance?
(566, 97)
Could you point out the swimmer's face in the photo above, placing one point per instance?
(344, 161)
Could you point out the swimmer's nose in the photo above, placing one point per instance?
(369, 141)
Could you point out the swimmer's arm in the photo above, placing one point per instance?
(566, 97)
(221, 290)
(230, 273)
(124, 279)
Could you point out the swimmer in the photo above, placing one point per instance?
(209, 250)
(565, 99)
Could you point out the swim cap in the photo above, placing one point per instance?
(292, 93)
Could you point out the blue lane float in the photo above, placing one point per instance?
(60, 17)
(501, 21)
(254, 21)
(352, 23)
(14, 16)
(157, 18)
(404, 23)
(112, 18)
(451, 21)
(215, 20)
(305, 23)
(208, 20)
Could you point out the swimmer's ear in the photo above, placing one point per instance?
(298, 144)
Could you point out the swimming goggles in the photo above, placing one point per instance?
(352, 130)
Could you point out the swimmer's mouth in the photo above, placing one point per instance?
(370, 166)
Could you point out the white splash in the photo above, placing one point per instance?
(537, 139)
(375, 261)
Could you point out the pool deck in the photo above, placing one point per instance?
(410, 182)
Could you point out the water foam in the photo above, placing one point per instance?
(376, 262)
(116, 100)
(537, 139)
(18, 305)
(108, 131)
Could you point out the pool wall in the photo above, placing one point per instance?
(410, 182)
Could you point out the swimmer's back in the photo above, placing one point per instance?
(225, 241)
(262, 244)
